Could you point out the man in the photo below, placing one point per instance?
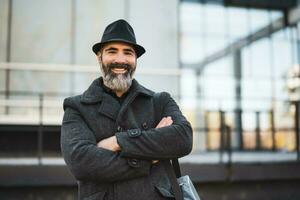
(117, 137)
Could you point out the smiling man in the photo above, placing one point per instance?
(118, 64)
(117, 137)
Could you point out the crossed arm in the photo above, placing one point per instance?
(111, 143)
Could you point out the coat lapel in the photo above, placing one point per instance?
(109, 107)
(136, 90)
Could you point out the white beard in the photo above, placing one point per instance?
(117, 82)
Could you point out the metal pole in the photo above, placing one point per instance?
(237, 68)
(199, 116)
(273, 131)
(257, 131)
(40, 129)
(206, 130)
(229, 152)
(297, 115)
(222, 134)
(8, 54)
(228, 144)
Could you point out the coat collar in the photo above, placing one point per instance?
(95, 93)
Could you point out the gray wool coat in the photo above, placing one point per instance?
(129, 174)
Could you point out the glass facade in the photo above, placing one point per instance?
(251, 80)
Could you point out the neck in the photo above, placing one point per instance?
(119, 94)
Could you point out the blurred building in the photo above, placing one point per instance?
(232, 65)
(239, 56)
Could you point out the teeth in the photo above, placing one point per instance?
(119, 70)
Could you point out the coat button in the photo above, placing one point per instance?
(119, 129)
(133, 162)
(145, 126)
(134, 132)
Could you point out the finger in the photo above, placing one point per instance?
(166, 123)
(164, 120)
(160, 123)
(169, 119)
(169, 123)
(163, 124)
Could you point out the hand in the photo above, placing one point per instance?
(109, 144)
(166, 121)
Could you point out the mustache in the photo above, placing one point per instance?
(119, 65)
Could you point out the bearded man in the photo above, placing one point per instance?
(117, 137)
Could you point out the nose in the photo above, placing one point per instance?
(120, 58)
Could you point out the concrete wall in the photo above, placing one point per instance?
(91, 17)
(41, 31)
(3, 30)
(63, 32)
(3, 38)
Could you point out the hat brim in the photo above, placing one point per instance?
(139, 50)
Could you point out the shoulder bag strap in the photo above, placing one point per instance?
(175, 186)
(176, 167)
(169, 169)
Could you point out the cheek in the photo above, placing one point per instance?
(133, 63)
(106, 58)
(106, 62)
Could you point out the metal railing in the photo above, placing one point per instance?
(224, 130)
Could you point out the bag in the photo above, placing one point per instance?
(187, 188)
(182, 186)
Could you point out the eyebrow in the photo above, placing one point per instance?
(111, 48)
(129, 50)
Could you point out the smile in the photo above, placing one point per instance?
(119, 70)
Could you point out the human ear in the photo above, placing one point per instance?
(99, 57)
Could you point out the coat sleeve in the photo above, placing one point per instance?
(86, 161)
(169, 142)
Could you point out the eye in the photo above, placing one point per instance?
(129, 53)
(111, 51)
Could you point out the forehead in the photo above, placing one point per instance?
(118, 45)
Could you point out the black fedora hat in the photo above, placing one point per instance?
(119, 31)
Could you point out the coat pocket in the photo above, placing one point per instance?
(92, 191)
(161, 182)
(96, 196)
(164, 191)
